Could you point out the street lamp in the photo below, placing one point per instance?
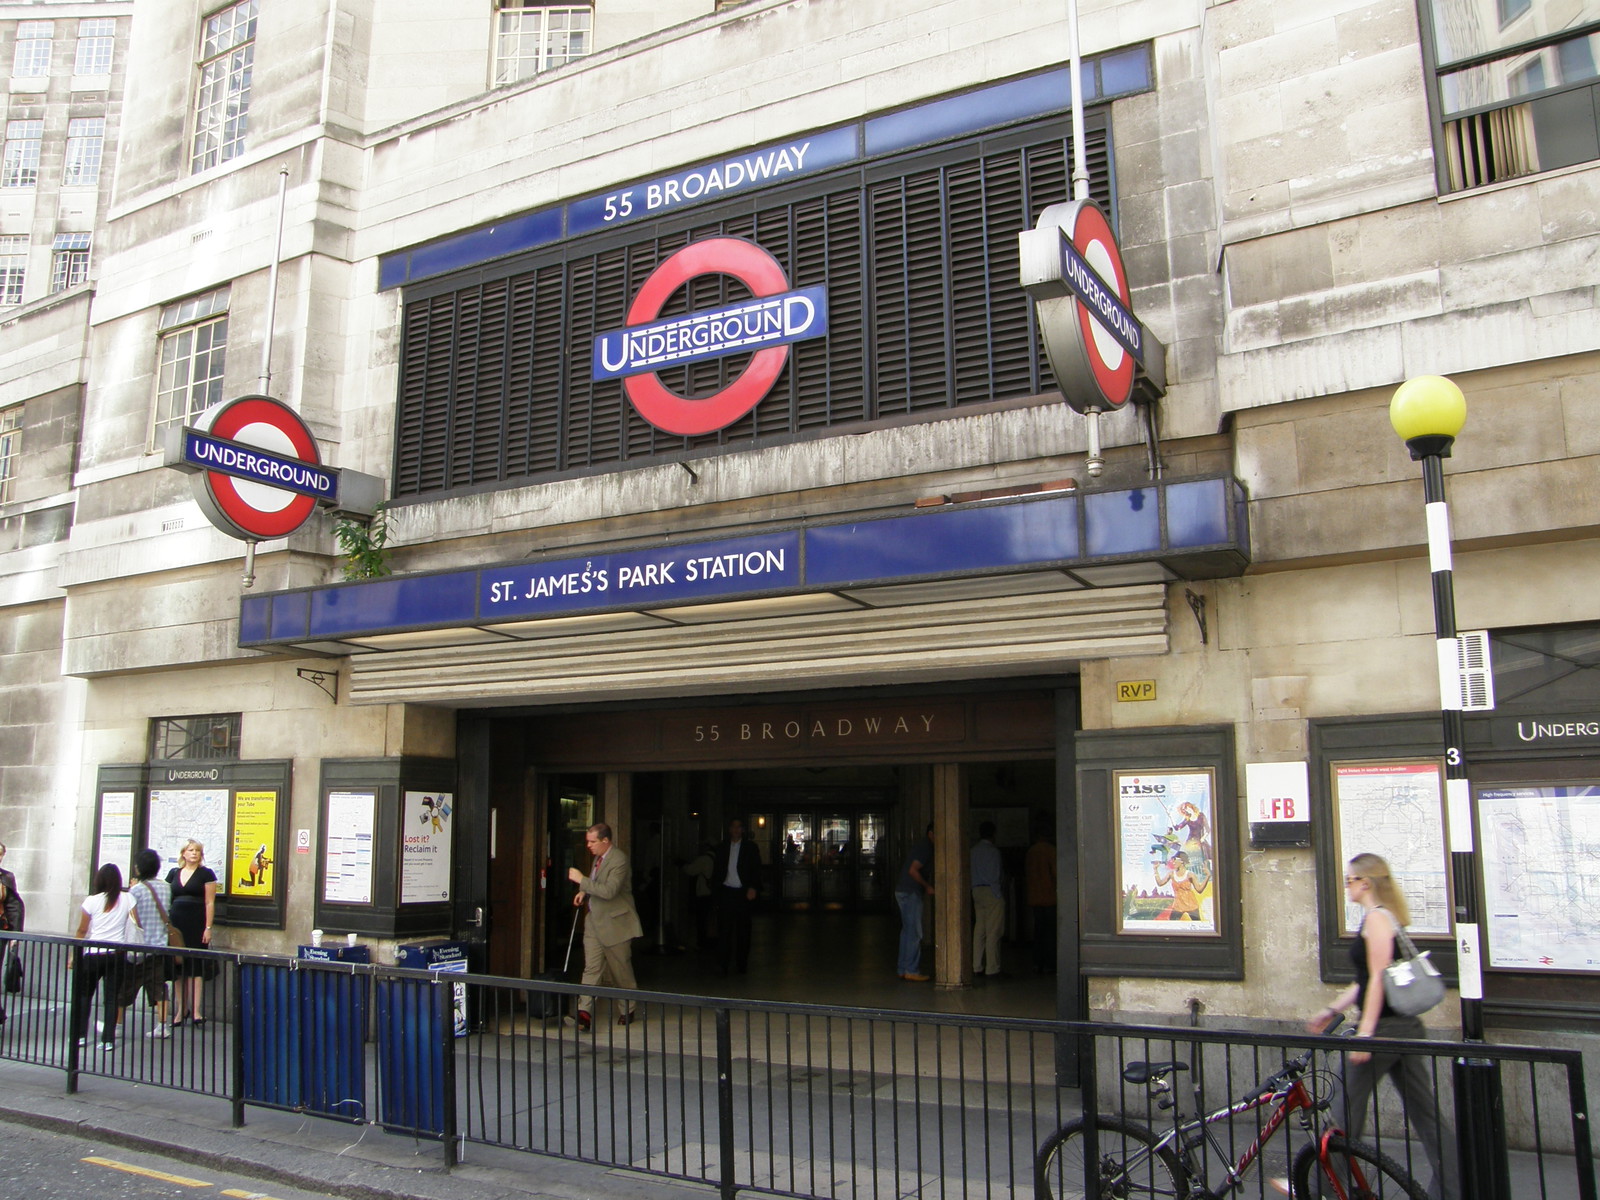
(1427, 412)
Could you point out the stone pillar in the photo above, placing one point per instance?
(616, 807)
(952, 871)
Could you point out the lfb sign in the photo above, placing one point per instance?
(258, 474)
(767, 324)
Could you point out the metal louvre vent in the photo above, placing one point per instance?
(1477, 677)
(925, 314)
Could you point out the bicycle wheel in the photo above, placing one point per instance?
(1131, 1164)
(1359, 1173)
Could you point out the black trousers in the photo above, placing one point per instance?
(92, 969)
(733, 928)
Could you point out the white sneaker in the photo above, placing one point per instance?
(1280, 1185)
(160, 1031)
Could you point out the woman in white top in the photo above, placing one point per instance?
(106, 914)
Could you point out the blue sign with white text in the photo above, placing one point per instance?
(714, 333)
(258, 466)
(670, 574)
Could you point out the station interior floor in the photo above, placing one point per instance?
(845, 959)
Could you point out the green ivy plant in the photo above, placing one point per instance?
(364, 545)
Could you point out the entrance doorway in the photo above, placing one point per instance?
(830, 856)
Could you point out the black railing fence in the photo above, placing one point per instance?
(787, 1099)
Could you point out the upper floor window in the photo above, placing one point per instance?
(32, 57)
(96, 42)
(194, 344)
(13, 267)
(1517, 88)
(69, 263)
(10, 449)
(222, 99)
(20, 166)
(531, 37)
(85, 139)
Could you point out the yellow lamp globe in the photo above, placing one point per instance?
(1429, 406)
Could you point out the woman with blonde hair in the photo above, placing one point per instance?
(194, 902)
(1369, 883)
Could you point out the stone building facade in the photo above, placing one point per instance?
(1305, 223)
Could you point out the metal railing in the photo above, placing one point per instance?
(787, 1099)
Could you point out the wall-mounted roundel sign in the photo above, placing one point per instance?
(765, 324)
(257, 471)
(1072, 267)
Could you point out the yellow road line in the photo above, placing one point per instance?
(180, 1180)
(238, 1195)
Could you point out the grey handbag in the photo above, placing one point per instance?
(1411, 985)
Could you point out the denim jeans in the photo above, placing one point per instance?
(910, 932)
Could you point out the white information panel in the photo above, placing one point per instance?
(425, 847)
(116, 829)
(179, 815)
(348, 840)
(1396, 811)
(1540, 850)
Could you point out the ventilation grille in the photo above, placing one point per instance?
(925, 314)
(1477, 676)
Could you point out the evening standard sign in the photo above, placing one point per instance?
(670, 574)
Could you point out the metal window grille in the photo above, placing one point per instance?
(222, 100)
(13, 267)
(213, 735)
(85, 142)
(31, 57)
(530, 38)
(20, 166)
(96, 45)
(191, 358)
(10, 450)
(925, 316)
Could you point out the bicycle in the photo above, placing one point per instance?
(1135, 1162)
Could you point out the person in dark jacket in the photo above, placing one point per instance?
(13, 914)
(735, 883)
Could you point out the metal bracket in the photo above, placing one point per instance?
(321, 679)
(1197, 605)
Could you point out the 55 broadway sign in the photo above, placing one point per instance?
(765, 325)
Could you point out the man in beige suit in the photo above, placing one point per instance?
(612, 925)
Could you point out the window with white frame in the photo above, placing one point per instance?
(20, 165)
(97, 41)
(13, 267)
(194, 343)
(32, 57)
(1517, 90)
(85, 140)
(531, 37)
(10, 449)
(222, 98)
(69, 263)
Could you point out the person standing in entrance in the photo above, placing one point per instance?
(194, 902)
(1039, 870)
(916, 881)
(988, 904)
(735, 879)
(612, 924)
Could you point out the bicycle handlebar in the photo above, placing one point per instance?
(1292, 1070)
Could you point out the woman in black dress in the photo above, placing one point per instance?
(194, 898)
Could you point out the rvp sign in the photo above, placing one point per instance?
(1135, 689)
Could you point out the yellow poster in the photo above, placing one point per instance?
(255, 818)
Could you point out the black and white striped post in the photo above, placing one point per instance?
(1427, 412)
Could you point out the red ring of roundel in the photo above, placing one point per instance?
(664, 408)
(1115, 385)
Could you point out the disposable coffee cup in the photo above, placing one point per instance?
(350, 940)
(316, 937)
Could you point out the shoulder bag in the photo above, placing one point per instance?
(1411, 985)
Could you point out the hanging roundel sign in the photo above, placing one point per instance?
(257, 471)
(765, 324)
(1072, 266)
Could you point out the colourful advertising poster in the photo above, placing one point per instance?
(1166, 860)
(425, 847)
(255, 818)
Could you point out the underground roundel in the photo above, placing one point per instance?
(258, 475)
(767, 323)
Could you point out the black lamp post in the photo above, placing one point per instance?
(1427, 412)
